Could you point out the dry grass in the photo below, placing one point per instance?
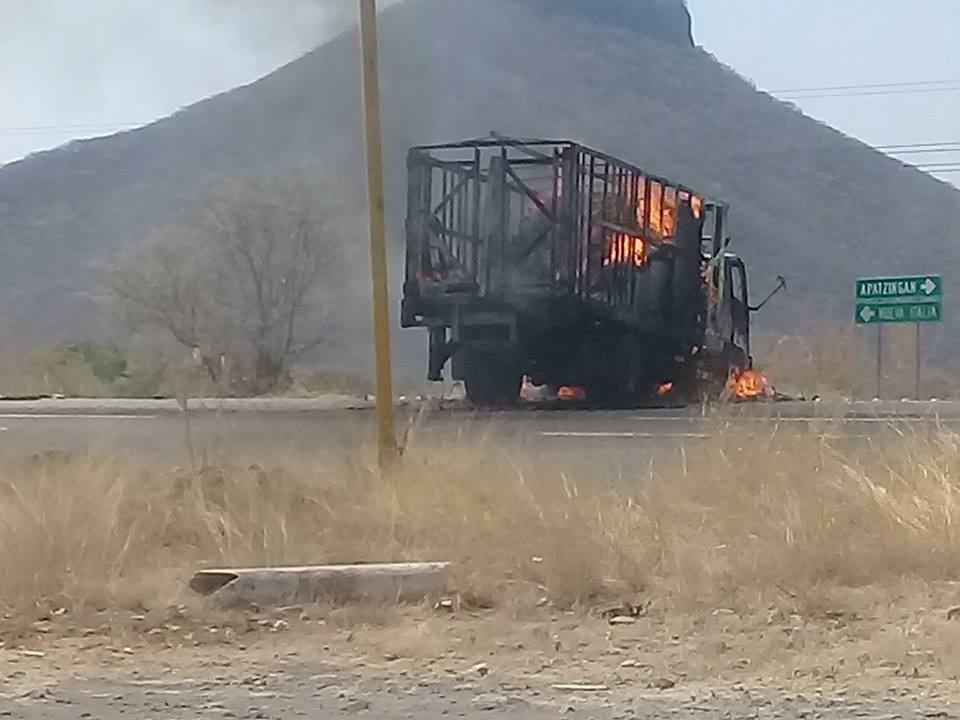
(826, 361)
(835, 362)
(739, 520)
(761, 558)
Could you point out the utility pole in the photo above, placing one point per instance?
(373, 128)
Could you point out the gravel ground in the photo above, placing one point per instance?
(373, 662)
(334, 694)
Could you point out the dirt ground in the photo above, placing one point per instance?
(303, 693)
(421, 663)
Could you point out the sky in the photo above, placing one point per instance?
(78, 68)
(788, 44)
(73, 69)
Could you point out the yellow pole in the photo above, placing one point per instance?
(386, 438)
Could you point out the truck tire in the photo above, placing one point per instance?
(492, 379)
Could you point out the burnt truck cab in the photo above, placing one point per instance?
(550, 260)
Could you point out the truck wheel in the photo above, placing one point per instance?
(492, 379)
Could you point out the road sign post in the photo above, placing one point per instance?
(879, 361)
(914, 299)
(916, 367)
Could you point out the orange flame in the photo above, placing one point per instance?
(570, 393)
(625, 249)
(665, 388)
(655, 212)
(748, 384)
(696, 205)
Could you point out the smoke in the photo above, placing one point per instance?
(79, 69)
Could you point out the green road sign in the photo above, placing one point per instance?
(918, 286)
(916, 299)
(912, 299)
(909, 312)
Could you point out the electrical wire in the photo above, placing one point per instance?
(67, 129)
(862, 86)
(871, 93)
(923, 151)
(868, 89)
(917, 145)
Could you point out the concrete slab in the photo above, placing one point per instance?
(273, 587)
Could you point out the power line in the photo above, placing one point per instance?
(937, 169)
(71, 127)
(923, 151)
(910, 146)
(862, 86)
(871, 93)
(65, 129)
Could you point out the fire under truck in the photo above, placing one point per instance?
(551, 261)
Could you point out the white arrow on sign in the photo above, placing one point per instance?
(929, 286)
(867, 314)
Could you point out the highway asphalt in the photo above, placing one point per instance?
(270, 431)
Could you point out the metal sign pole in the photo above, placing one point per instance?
(917, 386)
(879, 360)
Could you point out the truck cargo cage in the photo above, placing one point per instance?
(498, 216)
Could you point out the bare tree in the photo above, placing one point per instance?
(238, 283)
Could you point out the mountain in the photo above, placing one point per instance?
(666, 21)
(619, 75)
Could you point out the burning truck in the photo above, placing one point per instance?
(550, 261)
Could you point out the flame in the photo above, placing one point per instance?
(656, 207)
(670, 213)
(625, 249)
(747, 384)
(696, 205)
(663, 210)
(665, 388)
(570, 393)
(655, 213)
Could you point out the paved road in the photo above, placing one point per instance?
(270, 431)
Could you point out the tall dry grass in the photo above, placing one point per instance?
(735, 518)
(835, 362)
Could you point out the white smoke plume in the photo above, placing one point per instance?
(78, 69)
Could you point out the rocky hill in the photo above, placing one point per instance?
(666, 21)
(808, 202)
